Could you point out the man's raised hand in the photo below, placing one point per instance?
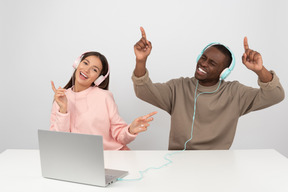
(251, 59)
(143, 47)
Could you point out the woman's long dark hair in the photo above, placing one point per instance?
(105, 83)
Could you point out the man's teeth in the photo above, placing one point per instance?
(202, 70)
(84, 75)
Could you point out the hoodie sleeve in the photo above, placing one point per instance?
(59, 121)
(118, 127)
(157, 94)
(268, 94)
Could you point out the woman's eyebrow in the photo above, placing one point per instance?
(96, 67)
(86, 60)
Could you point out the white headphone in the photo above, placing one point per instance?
(100, 79)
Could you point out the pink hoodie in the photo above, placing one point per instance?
(92, 111)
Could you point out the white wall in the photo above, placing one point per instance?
(41, 39)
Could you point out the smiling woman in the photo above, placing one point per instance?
(98, 67)
(86, 106)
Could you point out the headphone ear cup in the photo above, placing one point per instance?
(77, 62)
(99, 80)
(225, 73)
(75, 65)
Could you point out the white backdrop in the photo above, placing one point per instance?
(41, 39)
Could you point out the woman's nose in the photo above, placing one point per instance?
(86, 69)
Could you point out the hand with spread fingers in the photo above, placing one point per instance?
(252, 59)
(60, 98)
(140, 124)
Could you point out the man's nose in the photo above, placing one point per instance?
(204, 63)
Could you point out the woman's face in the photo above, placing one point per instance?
(87, 72)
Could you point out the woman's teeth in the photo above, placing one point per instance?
(84, 75)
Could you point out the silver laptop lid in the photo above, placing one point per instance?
(72, 157)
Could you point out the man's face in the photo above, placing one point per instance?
(209, 66)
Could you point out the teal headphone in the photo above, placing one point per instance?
(226, 71)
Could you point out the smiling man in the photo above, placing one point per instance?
(211, 63)
(205, 108)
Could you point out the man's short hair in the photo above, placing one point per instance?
(226, 52)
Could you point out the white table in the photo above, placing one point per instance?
(199, 171)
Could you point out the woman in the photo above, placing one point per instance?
(86, 106)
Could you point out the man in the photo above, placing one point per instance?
(205, 110)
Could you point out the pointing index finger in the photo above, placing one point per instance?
(143, 32)
(246, 46)
(149, 115)
(53, 87)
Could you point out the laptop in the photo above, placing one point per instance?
(75, 158)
